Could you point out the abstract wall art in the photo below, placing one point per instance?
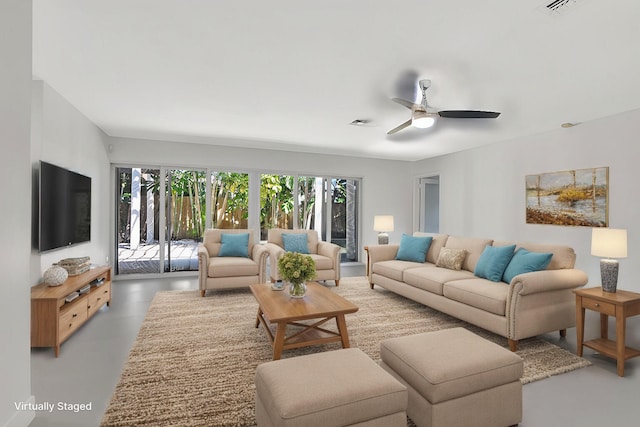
(578, 197)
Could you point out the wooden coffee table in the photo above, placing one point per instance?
(277, 307)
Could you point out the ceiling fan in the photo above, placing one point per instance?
(423, 117)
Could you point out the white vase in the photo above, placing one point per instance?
(55, 276)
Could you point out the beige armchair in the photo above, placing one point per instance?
(229, 270)
(326, 255)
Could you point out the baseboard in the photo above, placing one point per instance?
(22, 418)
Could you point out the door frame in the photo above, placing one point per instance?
(419, 196)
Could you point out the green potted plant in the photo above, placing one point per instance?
(296, 269)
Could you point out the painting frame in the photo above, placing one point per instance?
(574, 197)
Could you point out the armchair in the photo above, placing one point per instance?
(325, 254)
(232, 269)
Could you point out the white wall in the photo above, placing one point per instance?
(65, 137)
(15, 183)
(386, 185)
(483, 190)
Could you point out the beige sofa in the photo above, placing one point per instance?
(533, 303)
(224, 272)
(325, 254)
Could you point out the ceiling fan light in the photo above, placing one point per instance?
(423, 122)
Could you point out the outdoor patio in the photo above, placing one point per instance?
(145, 259)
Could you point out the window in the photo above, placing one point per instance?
(229, 200)
(276, 203)
(162, 212)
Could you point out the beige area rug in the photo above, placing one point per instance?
(194, 360)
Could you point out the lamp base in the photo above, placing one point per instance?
(609, 274)
(383, 239)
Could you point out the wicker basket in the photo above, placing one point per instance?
(75, 266)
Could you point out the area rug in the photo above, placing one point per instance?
(194, 360)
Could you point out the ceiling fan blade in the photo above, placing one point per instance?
(408, 104)
(468, 114)
(399, 128)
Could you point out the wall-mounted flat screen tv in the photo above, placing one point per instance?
(64, 207)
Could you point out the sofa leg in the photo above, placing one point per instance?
(563, 333)
(337, 283)
(202, 292)
(513, 344)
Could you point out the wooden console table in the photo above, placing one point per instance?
(54, 318)
(620, 304)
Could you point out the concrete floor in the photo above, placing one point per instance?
(91, 361)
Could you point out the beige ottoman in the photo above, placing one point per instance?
(455, 378)
(335, 388)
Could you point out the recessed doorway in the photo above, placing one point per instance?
(429, 204)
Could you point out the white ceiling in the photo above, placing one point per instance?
(292, 74)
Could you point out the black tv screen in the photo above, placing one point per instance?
(64, 207)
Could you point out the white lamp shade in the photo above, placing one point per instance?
(609, 242)
(383, 223)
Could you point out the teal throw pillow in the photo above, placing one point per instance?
(295, 243)
(234, 245)
(493, 261)
(413, 248)
(524, 261)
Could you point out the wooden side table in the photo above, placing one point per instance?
(621, 304)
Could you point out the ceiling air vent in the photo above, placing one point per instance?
(560, 7)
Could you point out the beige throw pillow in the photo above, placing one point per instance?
(451, 258)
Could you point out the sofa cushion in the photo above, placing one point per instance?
(295, 242)
(413, 248)
(438, 241)
(524, 261)
(451, 258)
(493, 262)
(430, 278)
(393, 269)
(232, 267)
(234, 245)
(473, 246)
(480, 293)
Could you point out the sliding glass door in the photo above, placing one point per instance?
(138, 220)
(344, 217)
(162, 212)
(276, 203)
(185, 212)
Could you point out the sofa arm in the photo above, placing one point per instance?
(377, 253)
(331, 251)
(259, 254)
(275, 252)
(548, 280)
(382, 252)
(541, 302)
(203, 266)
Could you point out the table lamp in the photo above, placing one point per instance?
(383, 224)
(609, 243)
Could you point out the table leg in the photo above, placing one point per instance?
(342, 328)
(258, 317)
(604, 326)
(579, 325)
(278, 342)
(621, 329)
